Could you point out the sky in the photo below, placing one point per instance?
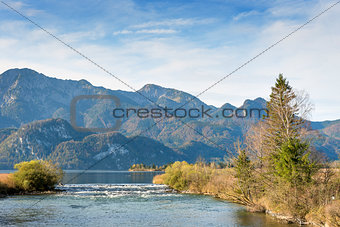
(187, 45)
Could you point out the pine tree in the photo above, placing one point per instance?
(287, 153)
(292, 162)
(282, 121)
(244, 168)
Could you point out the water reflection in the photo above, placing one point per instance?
(258, 219)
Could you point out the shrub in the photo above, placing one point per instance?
(183, 176)
(37, 175)
(174, 176)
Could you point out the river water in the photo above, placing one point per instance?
(123, 199)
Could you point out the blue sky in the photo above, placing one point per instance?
(187, 45)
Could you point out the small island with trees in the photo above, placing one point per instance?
(143, 167)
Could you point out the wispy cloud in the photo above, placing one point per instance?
(169, 26)
(146, 31)
(174, 22)
(246, 14)
(156, 31)
(123, 32)
(25, 8)
(78, 36)
(169, 22)
(15, 4)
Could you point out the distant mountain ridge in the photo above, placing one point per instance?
(27, 96)
(36, 140)
(55, 139)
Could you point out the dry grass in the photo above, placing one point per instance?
(332, 213)
(3, 177)
(158, 179)
(202, 179)
(6, 179)
(220, 182)
(6, 183)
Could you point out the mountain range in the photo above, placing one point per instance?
(35, 114)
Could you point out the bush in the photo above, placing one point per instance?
(37, 175)
(174, 176)
(183, 176)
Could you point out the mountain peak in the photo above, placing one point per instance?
(256, 103)
(227, 106)
(17, 71)
(151, 87)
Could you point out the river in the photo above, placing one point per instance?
(121, 198)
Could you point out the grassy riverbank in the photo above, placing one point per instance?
(223, 183)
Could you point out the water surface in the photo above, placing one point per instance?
(123, 199)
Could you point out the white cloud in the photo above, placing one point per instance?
(80, 36)
(15, 4)
(173, 22)
(294, 8)
(156, 31)
(162, 27)
(123, 32)
(146, 31)
(24, 8)
(246, 14)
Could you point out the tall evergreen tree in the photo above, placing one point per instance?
(282, 121)
(287, 154)
(244, 175)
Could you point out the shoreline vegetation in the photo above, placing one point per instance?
(31, 178)
(274, 170)
(223, 183)
(151, 168)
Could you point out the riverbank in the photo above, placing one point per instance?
(222, 183)
(159, 179)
